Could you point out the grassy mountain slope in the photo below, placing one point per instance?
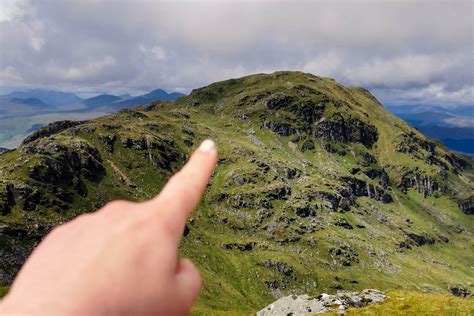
(317, 188)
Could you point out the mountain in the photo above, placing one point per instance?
(125, 96)
(127, 101)
(17, 120)
(159, 94)
(462, 110)
(100, 100)
(18, 106)
(34, 102)
(53, 98)
(318, 188)
(454, 130)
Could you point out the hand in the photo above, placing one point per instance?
(122, 259)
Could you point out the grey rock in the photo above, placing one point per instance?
(306, 305)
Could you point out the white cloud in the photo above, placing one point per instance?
(403, 71)
(83, 72)
(11, 9)
(9, 75)
(402, 50)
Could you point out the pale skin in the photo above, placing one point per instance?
(121, 259)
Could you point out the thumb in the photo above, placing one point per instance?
(189, 282)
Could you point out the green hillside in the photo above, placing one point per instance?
(317, 188)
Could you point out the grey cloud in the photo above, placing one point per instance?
(404, 51)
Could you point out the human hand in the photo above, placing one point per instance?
(122, 259)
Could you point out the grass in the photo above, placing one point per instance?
(416, 303)
(234, 280)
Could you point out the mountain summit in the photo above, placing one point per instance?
(318, 188)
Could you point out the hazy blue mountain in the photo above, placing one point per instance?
(51, 97)
(462, 110)
(18, 106)
(125, 96)
(453, 126)
(162, 95)
(34, 102)
(19, 119)
(100, 100)
(154, 95)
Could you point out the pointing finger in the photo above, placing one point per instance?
(183, 191)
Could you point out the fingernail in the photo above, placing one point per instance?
(207, 145)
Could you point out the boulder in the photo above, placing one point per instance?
(308, 305)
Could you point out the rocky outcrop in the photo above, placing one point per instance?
(467, 206)
(51, 129)
(374, 173)
(280, 267)
(307, 305)
(411, 143)
(239, 246)
(361, 188)
(344, 255)
(418, 240)
(422, 183)
(282, 128)
(459, 291)
(278, 101)
(162, 153)
(62, 164)
(347, 130)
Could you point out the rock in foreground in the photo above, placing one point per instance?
(306, 305)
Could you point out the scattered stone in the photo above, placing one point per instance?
(460, 291)
(306, 305)
(239, 246)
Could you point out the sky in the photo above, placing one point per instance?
(405, 52)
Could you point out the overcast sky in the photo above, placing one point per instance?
(403, 51)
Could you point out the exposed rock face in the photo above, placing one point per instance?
(306, 305)
(282, 128)
(410, 143)
(424, 184)
(347, 130)
(361, 188)
(344, 255)
(239, 246)
(281, 267)
(460, 291)
(467, 206)
(51, 129)
(412, 239)
(62, 164)
(162, 153)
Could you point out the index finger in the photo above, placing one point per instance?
(183, 191)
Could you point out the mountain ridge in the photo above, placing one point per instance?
(317, 188)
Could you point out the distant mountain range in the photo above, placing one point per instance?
(53, 98)
(453, 126)
(23, 112)
(113, 102)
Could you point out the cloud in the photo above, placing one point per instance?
(403, 51)
(81, 73)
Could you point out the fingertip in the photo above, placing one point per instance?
(207, 146)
